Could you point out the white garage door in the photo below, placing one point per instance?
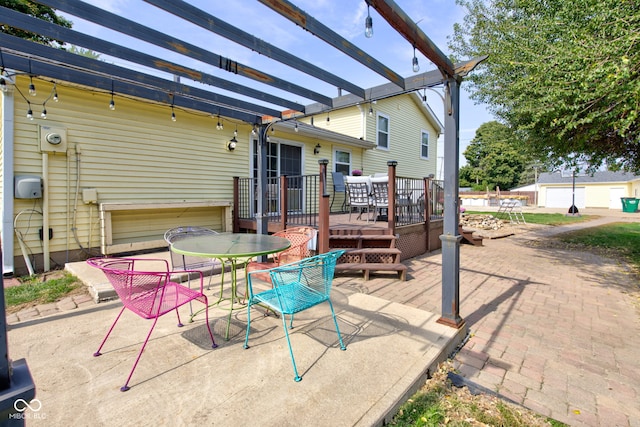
(562, 197)
(615, 193)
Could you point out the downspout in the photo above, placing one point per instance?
(6, 234)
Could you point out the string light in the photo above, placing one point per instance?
(416, 66)
(44, 112)
(29, 111)
(55, 93)
(368, 24)
(295, 126)
(112, 104)
(219, 126)
(32, 87)
(173, 113)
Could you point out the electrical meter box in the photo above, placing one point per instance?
(53, 139)
(27, 187)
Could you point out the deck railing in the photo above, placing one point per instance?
(418, 199)
(290, 200)
(294, 200)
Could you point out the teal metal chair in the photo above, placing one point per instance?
(296, 287)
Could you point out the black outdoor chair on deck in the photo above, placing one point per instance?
(338, 187)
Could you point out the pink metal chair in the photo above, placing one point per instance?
(145, 288)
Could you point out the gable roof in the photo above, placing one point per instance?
(597, 177)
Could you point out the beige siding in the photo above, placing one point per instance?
(137, 154)
(406, 122)
(132, 154)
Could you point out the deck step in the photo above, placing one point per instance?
(366, 251)
(361, 241)
(367, 267)
(469, 237)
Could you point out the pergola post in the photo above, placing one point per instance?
(450, 237)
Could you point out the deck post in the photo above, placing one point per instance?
(284, 202)
(323, 210)
(391, 209)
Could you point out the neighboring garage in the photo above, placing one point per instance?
(562, 197)
(603, 189)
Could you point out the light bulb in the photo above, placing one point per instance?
(29, 114)
(112, 105)
(3, 84)
(416, 66)
(368, 25)
(44, 113)
(32, 89)
(173, 116)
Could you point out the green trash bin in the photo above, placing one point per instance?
(629, 204)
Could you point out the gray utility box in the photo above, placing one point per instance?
(27, 187)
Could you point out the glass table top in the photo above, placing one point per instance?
(231, 245)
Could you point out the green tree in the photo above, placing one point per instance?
(38, 11)
(495, 158)
(563, 73)
(84, 52)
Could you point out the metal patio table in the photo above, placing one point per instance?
(234, 248)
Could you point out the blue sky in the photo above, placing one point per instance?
(435, 17)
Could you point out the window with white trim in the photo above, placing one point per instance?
(342, 162)
(382, 131)
(424, 145)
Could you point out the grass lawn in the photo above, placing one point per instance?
(620, 239)
(34, 290)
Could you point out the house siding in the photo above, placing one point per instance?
(171, 173)
(406, 123)
(133, 154)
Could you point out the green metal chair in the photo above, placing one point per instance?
(296, 287)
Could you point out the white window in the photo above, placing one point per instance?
(382, 131)
(342, 162)
(424, 145)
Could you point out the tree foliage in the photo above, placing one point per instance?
(562, 73)
(36, 10)
(494, 159)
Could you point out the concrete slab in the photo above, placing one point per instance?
(180, 380)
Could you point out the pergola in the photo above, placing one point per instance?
(254, 106)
